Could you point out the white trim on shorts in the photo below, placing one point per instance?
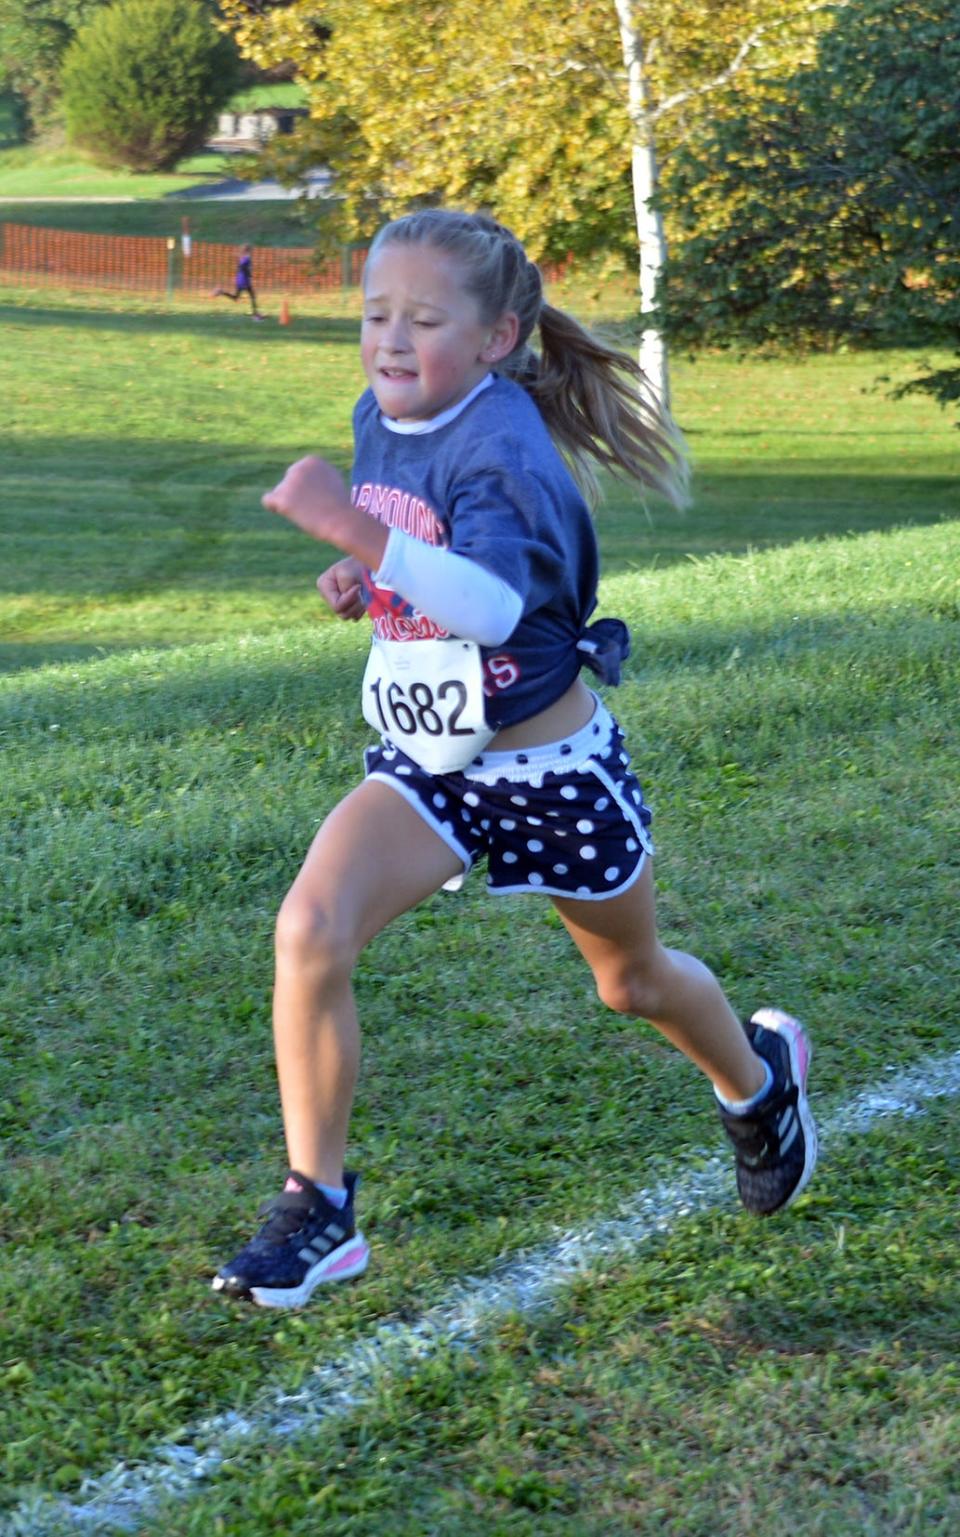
(491, 767)
(569, 896)
(549, 758)
(442, 829)
(632, 816)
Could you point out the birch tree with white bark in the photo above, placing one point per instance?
(552, 117)
(647, 114)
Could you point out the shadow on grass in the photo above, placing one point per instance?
(263, 222)
(319, 668)
(222, 323)
(769, 504)
(790, 432)
(22, 656)
(154, 523)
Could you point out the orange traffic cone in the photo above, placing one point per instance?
(284, 313)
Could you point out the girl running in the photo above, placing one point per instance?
(468, 541)
(242, 282)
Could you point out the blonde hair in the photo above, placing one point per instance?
(595, 399)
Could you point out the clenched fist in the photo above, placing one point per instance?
(340, 587)
(313, 496)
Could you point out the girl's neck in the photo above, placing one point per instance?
(432, 423)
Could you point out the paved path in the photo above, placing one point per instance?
(317, 184)
(231, 189)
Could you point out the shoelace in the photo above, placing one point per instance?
(285, 1214)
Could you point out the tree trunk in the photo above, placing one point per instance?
(651, 240)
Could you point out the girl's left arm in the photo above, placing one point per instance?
(312, 495)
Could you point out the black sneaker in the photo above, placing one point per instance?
(305, 1242)
(776, 1144)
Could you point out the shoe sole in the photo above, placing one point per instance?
(801, 1052)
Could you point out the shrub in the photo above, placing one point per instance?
(143, 82)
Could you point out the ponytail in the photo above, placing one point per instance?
(597, 404)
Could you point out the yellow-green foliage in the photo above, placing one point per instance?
(520, 107)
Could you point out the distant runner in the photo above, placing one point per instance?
(242, 282)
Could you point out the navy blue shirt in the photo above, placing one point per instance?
(491, 486)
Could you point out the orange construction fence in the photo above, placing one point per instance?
(153, 264)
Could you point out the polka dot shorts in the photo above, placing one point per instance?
(566, 819)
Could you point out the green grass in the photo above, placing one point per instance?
(30, 171)
(279, 93)
(195, 385)
(279, 222)
(729, 1374)
(177, 717)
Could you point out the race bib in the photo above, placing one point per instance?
(427, 696)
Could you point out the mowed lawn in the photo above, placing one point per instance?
(28, 171)
(137, 440)
(176, 717)
(262, 222)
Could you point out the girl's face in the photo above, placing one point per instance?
(423, 344)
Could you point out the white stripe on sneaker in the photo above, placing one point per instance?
(798, 1045)
(788, 1129)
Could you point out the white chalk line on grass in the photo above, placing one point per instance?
(120, 1499)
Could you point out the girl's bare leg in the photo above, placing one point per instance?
(635, 974)
(372, 859)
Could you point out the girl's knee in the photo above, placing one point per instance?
(629, 990)
(310, 935)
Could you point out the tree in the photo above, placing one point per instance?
(645, 116)
(34, 36)
(833, 212)
(521, 107)
(143, 82)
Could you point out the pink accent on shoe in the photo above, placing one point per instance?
(785, 1024)
(293, 1184)
(349, 1258)
(803, 1056)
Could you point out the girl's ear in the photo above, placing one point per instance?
(503, 338)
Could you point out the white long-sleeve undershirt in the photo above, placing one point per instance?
(466, 598)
